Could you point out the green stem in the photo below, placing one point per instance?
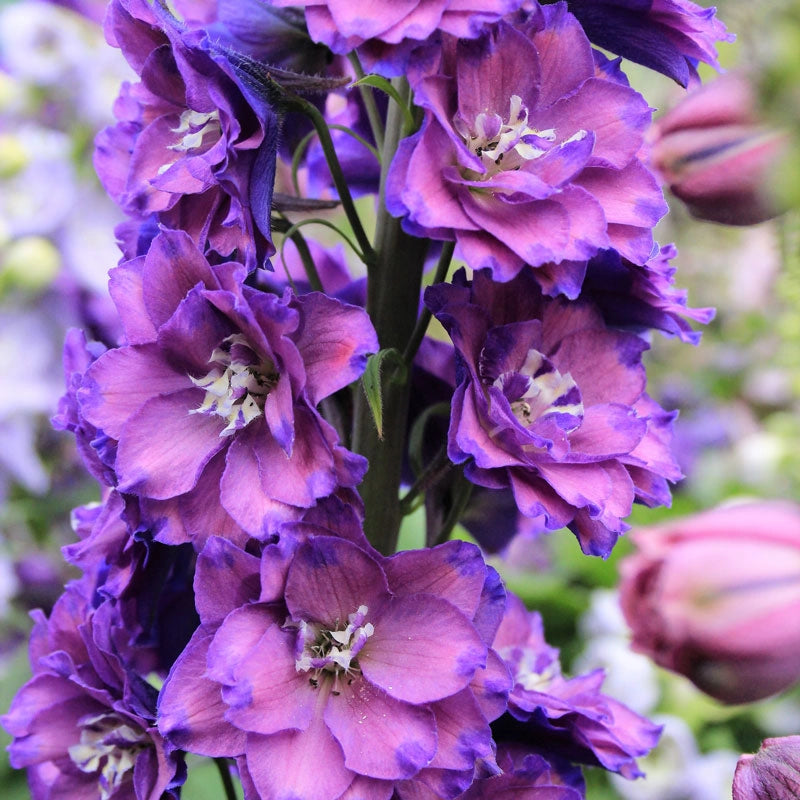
(432, 474)
(393, 288)
(339, 180)
(369, 102)
(425, 315)
(462, 492)
(307, 259)
(225, 775)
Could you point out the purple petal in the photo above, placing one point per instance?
(272, 700)
(163, 448)
(305, 764)
(190, 708)
(330, 578)
(423, 649)
(488, 72)
(173, 266)
(235, 638)
(463, 733)
(454, 570)
(299, 479)
(240, 492)
(334, 340)
(226, 577)
(381, 737)
(121, 381)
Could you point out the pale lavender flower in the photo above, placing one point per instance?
(380, 668)
(211, 405)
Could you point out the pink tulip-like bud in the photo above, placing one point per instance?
(716, 597)
(715, 155)
(773, 773)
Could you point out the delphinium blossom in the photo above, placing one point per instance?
(380, 668)
(566, 717)
(718, 156)
(192, 146)
(83, 725)
(533, 166)
(229, 377)
(387, 33)
(551, 404)
(730, 630)
(669, 36)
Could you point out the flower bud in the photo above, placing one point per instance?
(716, 597)
(716, 156)
(773, 773)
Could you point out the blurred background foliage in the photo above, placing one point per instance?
(738, 392)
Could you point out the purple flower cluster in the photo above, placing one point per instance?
(240, 559)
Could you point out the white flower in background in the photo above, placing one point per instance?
(86, 241)
(30, 385)
(50, 47)
(9, 585)
(39, 190)
(41, 42)
(630, 677)
(677, 771)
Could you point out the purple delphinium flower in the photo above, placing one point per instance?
(535, 166)
(151, 582)
(212, 402)
(642, 297)
(563, 717)
(83, 726)
(670, 36)
(95, 449)
(550, 403)
(379, 667)
(275, 36)
(388, 31)
(519, 776)
(192, 145)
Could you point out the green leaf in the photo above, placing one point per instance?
(377, 82)
(383, 368)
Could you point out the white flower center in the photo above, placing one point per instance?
(236, 386)
(538, 388)
(533, 681)
(506, 145)
(194, 127)
(109, 746)
(334, 651)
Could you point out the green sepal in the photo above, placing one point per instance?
(383, 369)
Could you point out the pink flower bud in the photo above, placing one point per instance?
(716, 597)
(773, 773)
(715, 155)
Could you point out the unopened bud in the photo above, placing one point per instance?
(715, 155)
(773, 773)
